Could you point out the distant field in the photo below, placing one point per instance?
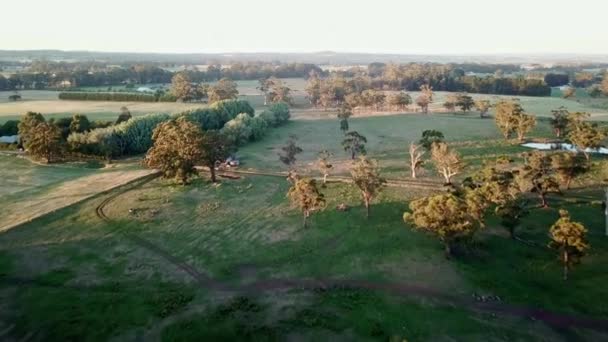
(46, 102)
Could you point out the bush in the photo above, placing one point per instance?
(281, 112)
(11, 127)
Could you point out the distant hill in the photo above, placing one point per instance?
(320, 58)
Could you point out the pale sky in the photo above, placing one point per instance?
(381, 26)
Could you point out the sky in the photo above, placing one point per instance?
(378, 26)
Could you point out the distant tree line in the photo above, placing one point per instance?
(60, 75)
(443, 77)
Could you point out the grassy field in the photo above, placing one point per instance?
(259, 276)
(163, 262)
(388, 139)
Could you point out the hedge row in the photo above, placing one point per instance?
(114, 96)
(244, 128)
(135, 136)
(216, 116)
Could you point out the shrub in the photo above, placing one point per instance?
(281, 112)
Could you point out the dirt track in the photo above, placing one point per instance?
(66, 194)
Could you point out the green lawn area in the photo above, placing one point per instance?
(388, 139)
(247, 244)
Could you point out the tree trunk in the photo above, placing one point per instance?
(305, 221)
(352, 155)
(565, 265)
(366, 208)
(413, 172)
(543, 199)
(447, 249)
(512, 232)
(568, 181)
(212, 170)
(325, 178)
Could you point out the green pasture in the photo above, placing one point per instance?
(247, 243)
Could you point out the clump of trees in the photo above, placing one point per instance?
(463, 101)
(274, 90)
(365, 88)
(511, 118)
(184, 89)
